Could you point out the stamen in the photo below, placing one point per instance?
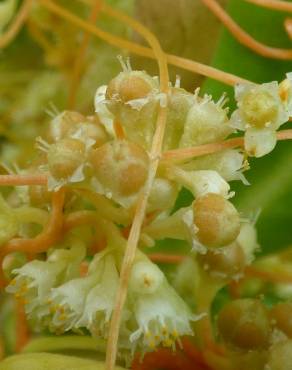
(243, 37)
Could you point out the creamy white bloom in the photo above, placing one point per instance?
(200, 182)
(99, 303)
(162, 317)
(229, 163)
(206, 122)
(260, 113)
(34, 280)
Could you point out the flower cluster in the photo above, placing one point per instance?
(102, 161)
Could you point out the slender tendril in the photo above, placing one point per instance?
(243, 37)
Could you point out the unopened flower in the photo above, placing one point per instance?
(200, 182)
(206, 122)
(161, 315)
(66, 160)
(260, 113)
(229, 163)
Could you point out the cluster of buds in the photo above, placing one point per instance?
(103, 163)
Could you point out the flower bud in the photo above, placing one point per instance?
(216, 219)
(64, 123)
(121, 167)
(243, 324)
(281, 317)
(130, 85)
(206, 122)
(146, 277)
(65, 157)
(227, 262)
(259, 107)
(163, 195)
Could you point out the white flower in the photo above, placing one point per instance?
(200, 182)
(228, 163)
(66, 159)
(285, 92)
(260, 113)
(247, 239)
(162, 317)
(67, 302)
(99, 303)
(206, 122)
(34, 280)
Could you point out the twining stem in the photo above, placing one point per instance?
(200, 150)
(79, 61)
(16, 25)
(119, 42)
(135, 231)
(280, 5)
(170, 155)
(46, 238)
(243, 37)
(18, 180)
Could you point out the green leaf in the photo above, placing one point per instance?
(48, 361)
(271, 176)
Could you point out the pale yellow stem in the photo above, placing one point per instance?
(119, 42)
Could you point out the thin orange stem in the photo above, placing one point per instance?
(275, 277)
(284, 6)
(187, 153)
(200, 150)
(79, 218)
(119, 130)
(243, 37)
(21, 327)
(119, 42)
(288, 27)
(46, 238)
(18, 180)
(79, 61)
(16, 25)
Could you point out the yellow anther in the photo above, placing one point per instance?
(12, 282)
(167, 342)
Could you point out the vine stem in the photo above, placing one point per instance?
(190, 65)
(273, 4)
(79, 61)
(16, 25)
(155, 152)
(170, 155)
(243, 37)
